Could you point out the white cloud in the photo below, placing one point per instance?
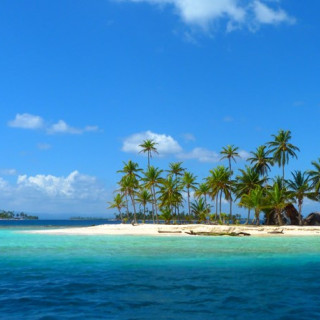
(188, 137)
(75, 185)
(234, 13)
(29, 121)
(165, 143)
(76, 193)
(62, 127)
(200, 154)
(26, 121)
(267, 15)
(244, 155)
(8, 172)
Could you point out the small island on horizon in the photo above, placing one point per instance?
(11, 215)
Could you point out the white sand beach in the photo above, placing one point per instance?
(184, 230)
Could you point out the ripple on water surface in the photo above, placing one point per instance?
(123, 277)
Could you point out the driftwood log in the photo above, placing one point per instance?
(214, 234)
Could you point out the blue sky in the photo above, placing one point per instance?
(83, 81)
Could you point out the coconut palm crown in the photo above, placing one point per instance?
(282, 149)
(315, 175)
(149, 146)
(261, 161)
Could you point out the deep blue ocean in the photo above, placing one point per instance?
(130, 277)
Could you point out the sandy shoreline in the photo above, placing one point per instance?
(183, 230)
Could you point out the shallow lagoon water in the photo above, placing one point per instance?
(129, 277)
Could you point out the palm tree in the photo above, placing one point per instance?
(170, 193)
(149, 146)
(118, 203)
(188, 181)
(130, 185)
(203, 190)
(261, 161)
(300, 188)
(166, 215)
(220, 183)
(130, 169)
(255, 200)
(278, 198)
(151, 180)
(144, 197)
(248, 180)
(315, 175)
(230, 152)
(176, 169)
(282, 149)
(200, 210)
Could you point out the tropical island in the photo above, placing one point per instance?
(153, 201)
(155, 194)
(11, 215)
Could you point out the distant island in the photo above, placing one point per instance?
(88, 218)
(11, 215)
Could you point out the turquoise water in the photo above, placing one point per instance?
(123, 277)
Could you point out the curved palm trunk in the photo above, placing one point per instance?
(220, 205)
(152, 204)
(134, 208)
(144, 213)
(155, 203)
(257, 213)
(248, 218)
(179, 215)
(300, 201)
(280, 221)
(230, 210)
(127, 206)
(189, 201)
(121, 217)
(217, 197)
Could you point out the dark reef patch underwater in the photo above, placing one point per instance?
(123, 277)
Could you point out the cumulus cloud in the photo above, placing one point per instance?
(165, 143)
(29, 121)
(200, 154)
(234, 13)
(74, 193)
(26, 121)
(244, 155)
(62, 127)
(267, 15)
(8, 172)
(75, 185)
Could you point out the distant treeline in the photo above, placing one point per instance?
(16, 215)
(87, 218)
(182, 217)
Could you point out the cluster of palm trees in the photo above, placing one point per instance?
(167, 193)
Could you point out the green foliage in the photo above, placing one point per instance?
(142, 193)
(281, 148)
(10, 215)
(166, 215)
